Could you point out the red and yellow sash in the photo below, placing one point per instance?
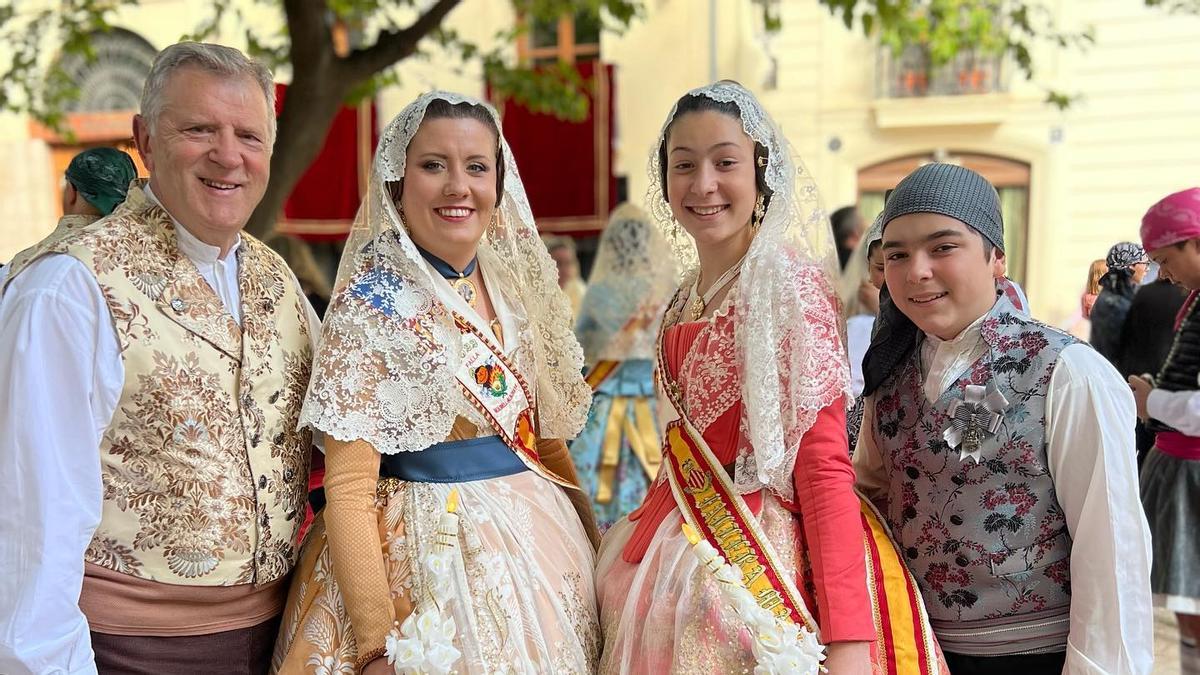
(706, 498)
(904, 641)
(705, 495)
(494, 387)
(708, 501)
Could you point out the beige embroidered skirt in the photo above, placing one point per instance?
(524, 597)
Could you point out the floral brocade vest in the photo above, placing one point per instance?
(205, 476)
(985, 539)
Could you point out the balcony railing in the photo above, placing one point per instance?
(912, 74)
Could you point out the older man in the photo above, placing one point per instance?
(153, 365)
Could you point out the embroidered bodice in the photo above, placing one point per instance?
(700, 358)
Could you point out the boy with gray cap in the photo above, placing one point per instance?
(1001, 452)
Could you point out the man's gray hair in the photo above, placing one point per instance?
(216, 59)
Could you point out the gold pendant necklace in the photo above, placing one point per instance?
(457, 280)
(465, 289)
(700, 302)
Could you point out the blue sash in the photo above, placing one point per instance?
(454, 462)
(445, 462)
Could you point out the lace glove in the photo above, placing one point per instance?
(355, 546)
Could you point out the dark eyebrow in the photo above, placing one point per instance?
(710, 149)
(940, 234)
(438, 155)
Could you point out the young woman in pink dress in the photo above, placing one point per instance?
(753, 390)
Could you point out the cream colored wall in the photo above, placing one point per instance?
(27, 210)
(1132, 139)
(664, 55)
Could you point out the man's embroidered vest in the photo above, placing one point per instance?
(986, 540)
(205, 476)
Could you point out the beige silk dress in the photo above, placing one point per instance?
(524, 599)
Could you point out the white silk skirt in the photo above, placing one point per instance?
(523, 600)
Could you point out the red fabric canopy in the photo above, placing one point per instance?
(324, 201)
(567, 166)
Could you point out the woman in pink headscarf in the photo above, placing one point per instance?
(1169, 402)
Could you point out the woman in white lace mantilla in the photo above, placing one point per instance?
(753, 396)
(634, 275)
(447, 363)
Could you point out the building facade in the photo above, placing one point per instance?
(1073, 182)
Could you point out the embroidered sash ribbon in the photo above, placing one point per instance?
(708, 501)
(495, 388)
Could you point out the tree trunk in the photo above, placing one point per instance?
(320, 82)
(311, 103)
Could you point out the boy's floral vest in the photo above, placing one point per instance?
(986, 539)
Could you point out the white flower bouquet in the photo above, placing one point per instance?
(424, 643)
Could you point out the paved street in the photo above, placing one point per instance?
(1166, 643)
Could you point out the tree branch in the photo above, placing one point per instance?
(310, 40)
(393, 46)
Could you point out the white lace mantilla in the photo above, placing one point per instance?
(788, 334)
(384, 371)
(632, 280)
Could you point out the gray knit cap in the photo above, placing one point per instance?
(949, 190)
(953, 191)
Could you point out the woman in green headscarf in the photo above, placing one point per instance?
(96, 181)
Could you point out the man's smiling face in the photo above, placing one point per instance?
(209, 152)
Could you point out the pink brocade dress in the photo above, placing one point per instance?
(660, 612)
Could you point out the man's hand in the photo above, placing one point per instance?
(849, 658)
(1141, 392)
